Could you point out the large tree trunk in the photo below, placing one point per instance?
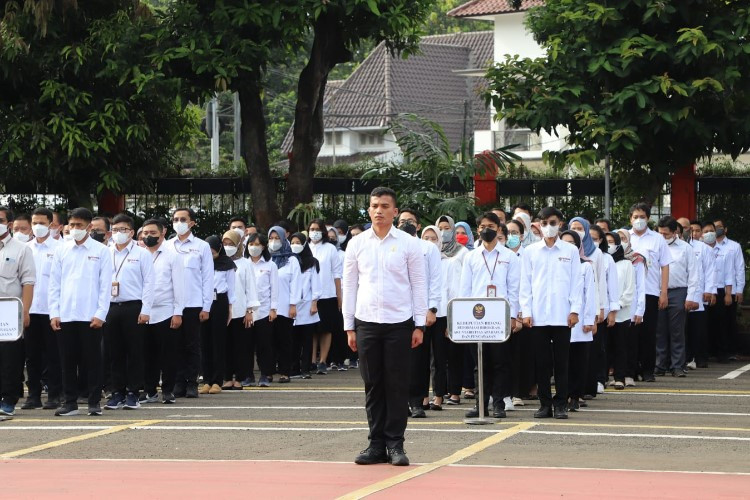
(255, 154)
(328, 49)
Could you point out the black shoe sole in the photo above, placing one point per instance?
(384, 460)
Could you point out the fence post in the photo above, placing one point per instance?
(683, 192)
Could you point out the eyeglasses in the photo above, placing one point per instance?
(552, 223)
(413, 222)
(121, 229)
(180, 219)
(515, 233)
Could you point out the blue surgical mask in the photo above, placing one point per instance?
(513, 241)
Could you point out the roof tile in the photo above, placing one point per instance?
(491, 7)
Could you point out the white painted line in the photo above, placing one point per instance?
(662, 412)
(701, 394)
(735, 373)
(55, 427)
(297, 429)
(599, 469)
(648, 436)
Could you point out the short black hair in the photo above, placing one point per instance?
(708, 223)
(645, 207)
(238, 218)
(384, 191)
(358, 227)
(518, 224)
(82, 213)
(61, 218)
(490, 217)
(8, 213)
(696, 222)
(190, 211)
(669, 222)
(719, 219)
(409, 211)
(606, 221)
(154, 222)
(120, 218)
(522, 206)
(25, 217)
(503, 229)
(547, 212)
(107, 223)
(44, 212)
(263, 241)
(500, 210)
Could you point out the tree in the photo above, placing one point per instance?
(82, 108)
(654, 85)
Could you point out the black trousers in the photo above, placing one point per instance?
(282, 344)
(384, 363)
(302, 348)
(470, 367)
(432, 348)
(188, 354)
(42, 358)
(11, 371)
(262, 333)
(123, 339)
(80, 351)
(598, 369)
(619, 334)
(455, 355)
(719, 316)
(696, 328)
(522, 363)
(160, 346)
(239, 358)
(647, 336)
(559, 338)
(214, 341)
(632, 345)
(497, 371)
(579, 369)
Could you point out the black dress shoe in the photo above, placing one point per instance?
(561, 413)
(498, 412)
(474, 413)
(51, 404)
(573, 405)
(418, 412)
(371, 456)
(191, 391)
(397, 456)
(543, 412)
(659, 372)
(31, 404)
(179, 391)
(649, 378)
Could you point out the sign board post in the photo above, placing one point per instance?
(479, 320)
(11, 319)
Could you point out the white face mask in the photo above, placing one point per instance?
(230, 250)
(67, 237)
(274, 245)
(550, 231)
(239, 231)
(316, 236)
(78, 234)
(581, 234)
(341, 238)
(52, 232)
(709, 238)
(254, 251)
(120, 238)
(3, 228)
(181, 228)
(297, 248)
(40, 230)
(611, 249)
(640, 224)
(626, 246)
(23, 238)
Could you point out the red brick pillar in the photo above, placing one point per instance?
(111, 203)
(485, 182)
(683, 193)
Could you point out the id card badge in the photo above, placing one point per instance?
(115, 289)
(216, 295)
(491, 291)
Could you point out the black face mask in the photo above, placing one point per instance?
(408, 228)
(488, 234)
(97, 236)
(151, 241)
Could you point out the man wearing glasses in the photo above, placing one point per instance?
(551, 298)
(199, 295)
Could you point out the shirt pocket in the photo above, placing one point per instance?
(192, 261)
(9, 268)
(395, 261)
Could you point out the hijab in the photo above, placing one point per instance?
(305, 257)
(451, 248)
(619, 253)
(526, 221)
(632, 256)
(281, 256)
(588, 244)
(222, 262)
(467, 228)
(437, 233)
(577, 238)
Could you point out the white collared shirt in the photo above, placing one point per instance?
(132, 268)
(612, 288)
(500, 267)
(653, 247)
(310, 290)
(589, 306)
(704, 256)
(17, 267)
(452, 267)
(551, 283)
(734, 254)
(267, 287)
(434, 274)
(43, 253)
(638, 307)
(330, 267)
(723, 267)
(384, 280)
(169, 284)
(626, 290)
(290, 291)
(245, 293)
(80, 284)
(684, 271)
(199, 270)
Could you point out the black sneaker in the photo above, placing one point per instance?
(417, 411)
(543, 412)
(180, 391)
(649, 378)
(371, 456)
(115, 402)
(397, 456)
(51, 404)
(32, 404)
(561, 413)
(95, 411)
(67, 410)
(498, 411)
(474, 413)
(131, 402)
(192, 391)
(679, 373)
(659, 372)
(573, 405)
(167, 398)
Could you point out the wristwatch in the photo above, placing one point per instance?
(433, 310)
(419, 328)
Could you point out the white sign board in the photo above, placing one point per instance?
(485, 320)
(11, 319)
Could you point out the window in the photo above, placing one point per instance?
(330, 136)
(370, 139)
(525, 138)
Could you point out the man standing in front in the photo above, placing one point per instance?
(384, 308)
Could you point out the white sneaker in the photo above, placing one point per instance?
(518, 402)
(508, 404)
(692, 365)
(599, 388)
(629, 382)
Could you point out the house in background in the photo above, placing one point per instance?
(431, 84)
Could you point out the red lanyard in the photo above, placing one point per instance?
(492, 273)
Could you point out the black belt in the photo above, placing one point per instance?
(126, 303)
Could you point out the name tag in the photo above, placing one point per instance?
(115, 289)
(93, 257)
(491, 291)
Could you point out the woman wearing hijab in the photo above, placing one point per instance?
(638, 306)
(307, 313)
(530, 237)
(289, 299)
(214, 331)
(267, 286)
(464, 236)
(619, 333)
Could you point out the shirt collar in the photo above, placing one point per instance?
(7, 238)
(187, 240)
(392, 232)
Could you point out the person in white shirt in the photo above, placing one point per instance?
(238, 363)
(40, 342)
(199, 294)
(696, 334)
(132, 296)
(550, 299)
(684, 294)
(214, 331)
(625, 297)
(267, 286)
(80, 287)
(736, 256)
(308, 319)
(637, 307)
(385, 308)
(654, 249)
(723, 284)
(166, 314)
(493, 270)
(22, 228)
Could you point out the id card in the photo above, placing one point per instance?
(491, 291)
(216, 295)
(115, 289)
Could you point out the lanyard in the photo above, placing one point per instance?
(492, 273)
(117, 272)
(158, 254)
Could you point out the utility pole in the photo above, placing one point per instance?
(237, 154)
(607, 195)
(214, 117)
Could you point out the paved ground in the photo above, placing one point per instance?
(676, 438)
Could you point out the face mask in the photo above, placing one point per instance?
(488, 234)
(230, 250)
(274, 245)
(671, 240)
(463, 239)
(79, 234)
(52, 232)
(611, 249)
(40, 230)
(709, 238)
(446, 236)
(297, 248)
(181, 228)
(341, 238)
(513, 241)
(3, 228)
(254, 251)
(626, 247)
(67, 237)
(239, 231)
(720, 231)
(120, 238)
(639, 224)
(151, 241)
(95, 235)
(581, 234)
(316, 236)
(23, 238)
(550, 231)
(533, 238)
